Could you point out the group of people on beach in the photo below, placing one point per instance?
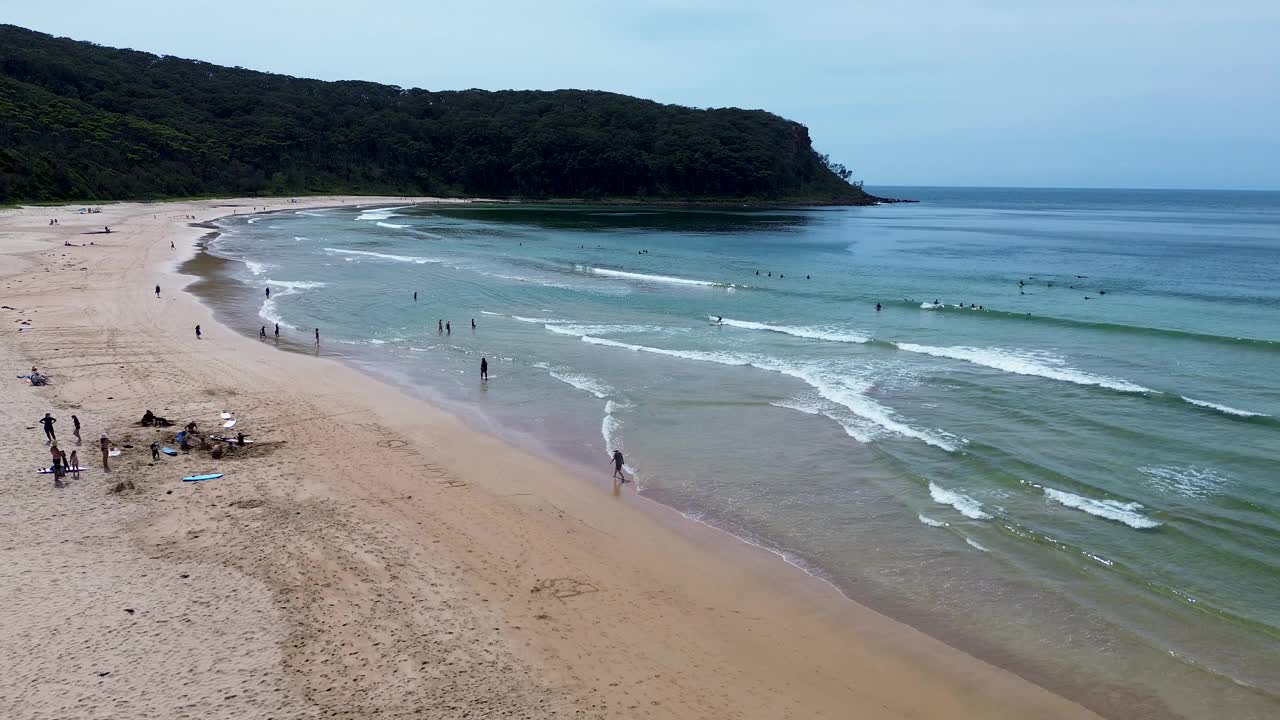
(61, 462)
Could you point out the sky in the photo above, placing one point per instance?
(1090, 93)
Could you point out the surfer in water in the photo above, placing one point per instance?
(877, 307)
(415, 296)
(618, 462)
(484, 370)
(473, 323)
(719, 319)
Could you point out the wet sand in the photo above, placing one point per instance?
(370, 555)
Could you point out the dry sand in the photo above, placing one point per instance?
(369, 556)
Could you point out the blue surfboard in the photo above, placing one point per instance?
(168, 451)
(198, 478)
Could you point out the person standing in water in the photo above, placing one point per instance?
(268, 293)
(415, 296)
(262, 334)
(448, 328)
(618, 462)
(277, 331)
(877, 307)
(473, 323)
(48, 422)
(75, 428)
(484, 370)
(317, 337)
(439, 326)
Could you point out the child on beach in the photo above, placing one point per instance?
(75, 465)
(106, 448)
(75, 430)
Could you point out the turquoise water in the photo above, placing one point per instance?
(1077, 481)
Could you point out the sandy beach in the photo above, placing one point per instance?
(369, 556)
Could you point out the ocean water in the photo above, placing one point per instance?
(1056, 445)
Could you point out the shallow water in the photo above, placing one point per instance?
(1077, 481)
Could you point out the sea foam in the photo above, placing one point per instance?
(812, 333)
(823, 381)
(1127, 513)
(385, 256)
(1022, 363)
(966, 505)
(650, 278)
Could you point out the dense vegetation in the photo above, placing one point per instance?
(82, 121)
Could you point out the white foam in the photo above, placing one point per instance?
(966, 505)
(930, 521)
(256, 268)
(393, 226)
(271, 314)
(1025, 363)
(1185, 480)
(975, 544)
(851, 425)
(486, 312)
(585, 383)
(828, 385)
(1223, 408)
(813, 333)
(931, 306)
(379, 213)
(291, 287)
(385, 256)
(1127, 513)
(253, 220)
(309, 213)
(649, 278)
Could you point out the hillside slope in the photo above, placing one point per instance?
(82, 121)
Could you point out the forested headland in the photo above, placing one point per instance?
(80, 121)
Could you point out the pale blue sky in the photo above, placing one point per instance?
(1091, 93)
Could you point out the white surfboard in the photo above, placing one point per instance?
(226, 415)
(229, 424)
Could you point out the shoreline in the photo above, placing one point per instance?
(747, 647)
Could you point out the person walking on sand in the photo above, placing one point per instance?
(618, 462)
(157, 291)
(50, 436)
(197, 332)
(484, 370)
(172, 246)
(75, 428)
(106, 449)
